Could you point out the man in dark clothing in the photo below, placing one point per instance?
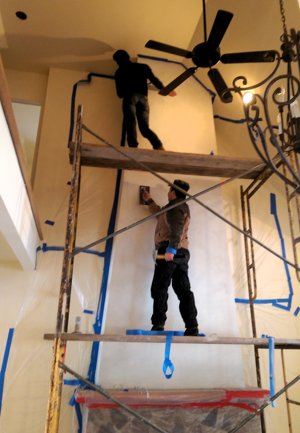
(171, 241)
(132, 86)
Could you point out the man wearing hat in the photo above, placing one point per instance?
(171, 243)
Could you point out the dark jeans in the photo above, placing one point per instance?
(137, 107)
(177, 272)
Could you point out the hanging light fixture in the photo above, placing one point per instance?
(275, 135)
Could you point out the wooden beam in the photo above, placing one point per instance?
(98, 155)
(263, 343)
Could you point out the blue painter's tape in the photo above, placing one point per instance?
(168, 366)
(263, 301)
(171, 250)
(46, 248)
(96, 253)
(72, 382)
(287, 272)
(271, 365)
(282, 303)
(271, 368)
(49, 222)
(88, 311)
(146, 332)
(104, 283)
(273, 207)
(4, 363)
(296, 312)
(72, 400)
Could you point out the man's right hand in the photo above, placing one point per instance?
(146, 195)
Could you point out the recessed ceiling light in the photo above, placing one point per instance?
(21, 15)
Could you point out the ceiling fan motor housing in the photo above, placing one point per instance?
(204, 56)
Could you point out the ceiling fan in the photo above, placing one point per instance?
(207, 54)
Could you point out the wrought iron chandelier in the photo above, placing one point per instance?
(276, 135)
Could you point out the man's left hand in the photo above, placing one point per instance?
(169, 256)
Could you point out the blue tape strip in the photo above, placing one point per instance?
(49, 222)
(146, 332)
(72, 382)
(171, 250)
(46, 248)
(296, 312)
(72, 400)
(271, 368)
(282, 303)
(103, 290)
(168, 366)
(287, 272)
(262, 301)
(4, 363)
(88, 311)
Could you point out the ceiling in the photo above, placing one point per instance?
(83, 34)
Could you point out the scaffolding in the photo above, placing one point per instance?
(294, 221)
(62, 335)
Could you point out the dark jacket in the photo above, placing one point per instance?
(133, 78)
(172, 226)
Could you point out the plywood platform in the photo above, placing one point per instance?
(97, 155)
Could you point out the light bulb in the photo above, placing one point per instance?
(248, 98)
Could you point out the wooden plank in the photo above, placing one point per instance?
(263, 343)
(98, 155)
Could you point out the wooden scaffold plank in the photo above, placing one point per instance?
(263, 343)
(98, 155)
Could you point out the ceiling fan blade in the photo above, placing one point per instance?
(155, 45)
(249, 57)
(219, 28)
(220, 85)
(179, 80)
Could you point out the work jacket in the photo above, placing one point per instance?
(172, 226)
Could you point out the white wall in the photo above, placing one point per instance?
(16, 219)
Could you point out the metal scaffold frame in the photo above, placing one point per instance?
(61, 336)
(246, 195)
(62, 320)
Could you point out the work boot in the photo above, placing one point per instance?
(157, 328)
(191, 331)
(161, 147)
